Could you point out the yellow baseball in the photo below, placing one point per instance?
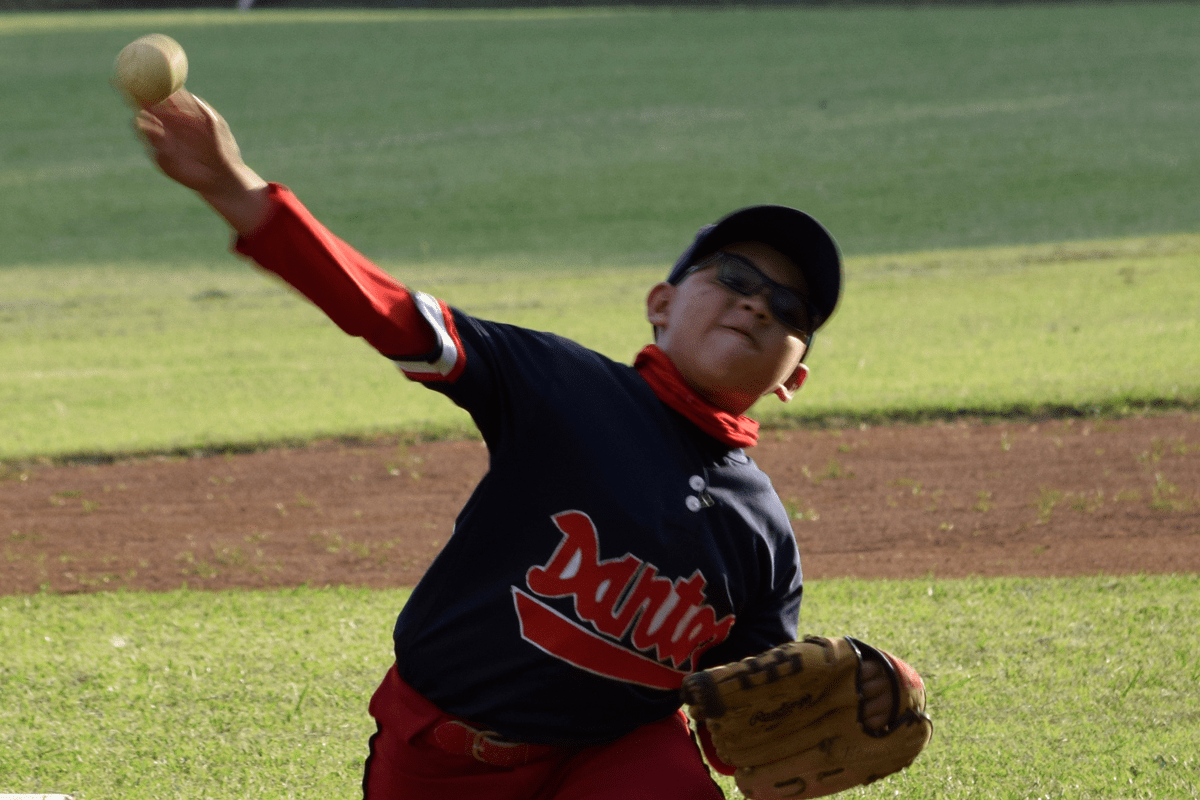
(150, 69)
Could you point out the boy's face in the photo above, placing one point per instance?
(727, 346)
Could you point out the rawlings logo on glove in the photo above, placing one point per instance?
(791, 720)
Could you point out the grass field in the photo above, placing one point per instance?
(538, 165)
(602, 136)
(1075, 688)
(105, 360)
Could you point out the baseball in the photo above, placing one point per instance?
(150, 69)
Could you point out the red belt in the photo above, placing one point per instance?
(459, 738)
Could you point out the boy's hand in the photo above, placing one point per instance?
(193, 145)
(811, 718)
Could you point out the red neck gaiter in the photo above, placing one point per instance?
(657, 369)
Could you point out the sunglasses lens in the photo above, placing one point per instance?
(790, 310)
(786, 306)
(739, 277)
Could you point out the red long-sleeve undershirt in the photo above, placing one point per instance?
(358, 296)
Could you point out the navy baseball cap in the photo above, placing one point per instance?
(790, 231)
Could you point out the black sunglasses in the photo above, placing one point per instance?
(738, 274)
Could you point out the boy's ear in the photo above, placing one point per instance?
(658, 304)
(792, 385)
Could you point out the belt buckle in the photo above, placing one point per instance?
(481, 739)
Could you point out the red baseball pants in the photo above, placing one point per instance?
(659, 761)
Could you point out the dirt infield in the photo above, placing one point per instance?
(1062, 497)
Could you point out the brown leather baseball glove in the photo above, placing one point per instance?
(791, 719)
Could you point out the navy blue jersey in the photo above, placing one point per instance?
(611, 548)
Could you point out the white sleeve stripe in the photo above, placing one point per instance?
(447, 352)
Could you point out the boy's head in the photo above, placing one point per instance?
(738, 310)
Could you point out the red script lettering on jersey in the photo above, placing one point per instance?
(619, 598)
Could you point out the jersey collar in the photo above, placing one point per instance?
(659, 371)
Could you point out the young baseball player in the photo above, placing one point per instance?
(621, 538)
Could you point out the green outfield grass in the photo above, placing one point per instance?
(609, 136)
(1077, 688)
(128, 358)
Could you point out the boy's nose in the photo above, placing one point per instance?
(757, 303)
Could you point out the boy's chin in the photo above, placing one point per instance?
(732, 397)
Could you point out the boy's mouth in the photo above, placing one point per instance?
(745, 333)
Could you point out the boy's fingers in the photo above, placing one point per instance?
(878, 693)
(146, 124)
(877, 696)
(204, 107)
(181, 108)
